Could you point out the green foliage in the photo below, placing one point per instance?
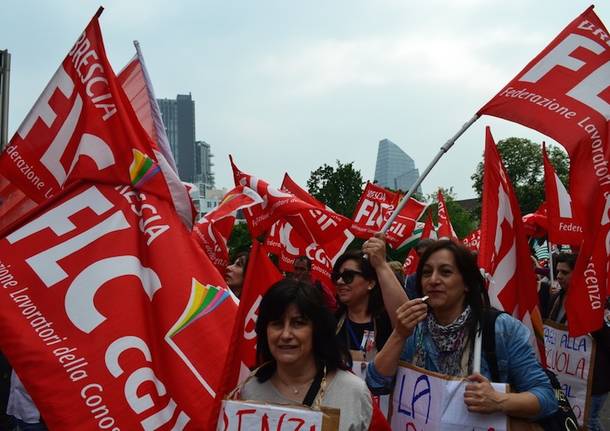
(523, 161)
(239, 241)
(338, 187)
(462, 220)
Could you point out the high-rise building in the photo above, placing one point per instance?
(203, 164)
(179, 118)
(394, 168)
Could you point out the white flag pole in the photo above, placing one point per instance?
(415, 185)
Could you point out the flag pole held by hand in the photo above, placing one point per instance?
(424, 174)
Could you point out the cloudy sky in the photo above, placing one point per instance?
(289, 86)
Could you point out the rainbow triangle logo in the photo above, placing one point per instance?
(142, 168)
(204, 299)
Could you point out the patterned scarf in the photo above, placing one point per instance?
(454, 356)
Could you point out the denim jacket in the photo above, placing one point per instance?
(517, 363)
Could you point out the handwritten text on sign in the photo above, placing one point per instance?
(251, 416)
(424, 400)
(570, 358)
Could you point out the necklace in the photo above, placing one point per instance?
(295, 389)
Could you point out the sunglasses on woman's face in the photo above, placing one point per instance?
(346, 276)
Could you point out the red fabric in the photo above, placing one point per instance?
(100, 299)
(260, 276)
(375, 207)
(563, 226)
(212, 232)
(136, 84)
(378, 420)
(404, 224)
(445, 228)
(14, 204)
(411, 262)
(320, 234)
(563, 93)
(536, 224)
(312, 220)
(320, 224)
(503, 251)
(473, 240)
(429, 231)
(571, 71)
(589, 286)
(82, 127)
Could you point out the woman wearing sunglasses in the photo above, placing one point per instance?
(368, 293)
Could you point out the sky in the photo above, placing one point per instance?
(287, 86)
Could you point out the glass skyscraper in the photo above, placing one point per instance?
(394, 168)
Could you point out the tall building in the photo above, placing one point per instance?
(394, 168)
(203, 164)
(179, 118)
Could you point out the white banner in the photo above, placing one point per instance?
(424, 400)
(250, 415)
(571, 358)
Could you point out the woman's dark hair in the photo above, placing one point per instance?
(246, 256)
(310, 303)
(466, 262)
(375, 306)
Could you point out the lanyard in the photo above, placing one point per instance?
(353, 336)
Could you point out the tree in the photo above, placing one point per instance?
(339, 188)
(523, 161)
(240, 240)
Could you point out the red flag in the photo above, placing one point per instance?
(137, 86)
(82, 127)
(445, 229)
(260, 276)
(320, 224)
(429, 231)
(110, 312)
(212, 232)
(279, 204)
(563, 228)
(405, 223)
(536, 224)
(411, 262)
(589, 288)
(375, 206)
(563, 94)
(504, 253)
(473, 240)
(14, 204)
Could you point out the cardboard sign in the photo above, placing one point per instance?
(254, 416)
(571, 358)
(424, 400)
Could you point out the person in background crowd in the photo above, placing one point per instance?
(22, 409)
(601, 365)
(302, 269)
(235, 273)
(409, 284)
(300, 361)
(564, 264)
(368, 293)
(440, 336)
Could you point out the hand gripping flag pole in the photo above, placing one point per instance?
(424, 174)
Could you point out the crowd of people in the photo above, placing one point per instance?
(344, 352)
(431, 319)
